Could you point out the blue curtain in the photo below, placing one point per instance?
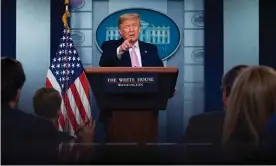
(57, 10)
(213, 60)
(8, 28)
(267, 33)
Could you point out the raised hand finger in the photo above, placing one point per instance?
(93, 125)
(129, 45)
(128, 42)
(80, 127)
(124, 47)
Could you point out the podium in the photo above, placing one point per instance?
(132, 97)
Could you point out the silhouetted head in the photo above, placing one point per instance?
(12, 81)
(47, 104)
(251, 103)
(228, 80)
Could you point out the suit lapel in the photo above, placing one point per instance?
(126, 56)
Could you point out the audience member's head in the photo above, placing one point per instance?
(47, 103)
(251, 104)
(12, 81)
(228, 80)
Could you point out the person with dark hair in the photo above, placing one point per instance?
(47, 103)
(207, 127)
(26, 139)
(204, 131)
(228, 81)
(13, 79)
(29, 139)
(250, 109)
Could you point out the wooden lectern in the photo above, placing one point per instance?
(133, 97)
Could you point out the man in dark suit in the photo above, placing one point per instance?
(207, 127)
(129, 51)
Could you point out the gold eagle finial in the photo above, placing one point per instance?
(66, 15)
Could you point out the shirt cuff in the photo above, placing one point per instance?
(119, 54)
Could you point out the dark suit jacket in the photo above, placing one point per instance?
(27, 139)
(149, 55)
(205, 128)
(268, 146)
(203, 138)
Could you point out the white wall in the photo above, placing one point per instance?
(32, 45)
(241, 33)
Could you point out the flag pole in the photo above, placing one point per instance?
(66, 15)
(66, 26)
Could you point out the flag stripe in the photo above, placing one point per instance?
(78, 101)
(60, 128)
(74, 107)
(85, 85)
(48, 82)
(52, 82)
(61, 118)
(84, 98)
(71, 130)
(70, 112)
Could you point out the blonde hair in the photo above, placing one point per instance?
(251, 102)
(128, 16)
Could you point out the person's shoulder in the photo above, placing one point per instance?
(208, 115)
(146, 44)
(64, 137)
(272, 120)
(30, 117)
(39, 123)
(18, 115)
(20, 120)
(271, 125)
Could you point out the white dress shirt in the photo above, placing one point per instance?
(137, 51)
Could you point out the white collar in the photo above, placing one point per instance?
(136, 44)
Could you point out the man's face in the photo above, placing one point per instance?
(130, 29)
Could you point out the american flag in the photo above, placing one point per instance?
(66, 74)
